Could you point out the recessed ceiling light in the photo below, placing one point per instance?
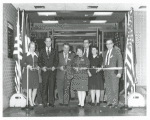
(86, 15)
(142, 7)
(39, 7)
(48, 21)
(46, 13)
(102, 13)
(91, 7)
(98, 21)
(84, 21)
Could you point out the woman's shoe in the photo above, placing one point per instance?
(97, 104)
(82, 106)
(79, 105)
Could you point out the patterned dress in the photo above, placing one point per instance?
(80, 80)
(33, 77)
(96, 81)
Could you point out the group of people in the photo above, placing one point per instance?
(81, 72)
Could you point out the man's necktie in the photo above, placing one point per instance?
(86, 52)
(107, 57)
(48, 52)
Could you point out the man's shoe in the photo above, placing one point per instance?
(97, 104)
(115, 106)
(72, 99)
(60, 104)
(110, 105)
(66, 105)
(92, 104)
(51, 105)
(44, 105)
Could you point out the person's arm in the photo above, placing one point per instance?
(40, 59)
(56, 59)
(119, 60)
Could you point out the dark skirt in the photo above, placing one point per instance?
(33, 79)
(96, 82)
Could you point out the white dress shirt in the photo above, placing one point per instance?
(87, 52)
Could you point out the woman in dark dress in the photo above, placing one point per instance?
(96, 83)
(30, 60)
(80, 64)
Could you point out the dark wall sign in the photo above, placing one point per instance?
(10, 33)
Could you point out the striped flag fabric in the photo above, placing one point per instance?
(27, 35)
(23, 33)
(17, 54)
(130, 54)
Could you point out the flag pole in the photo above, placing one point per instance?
(125, 107)
(27, 106)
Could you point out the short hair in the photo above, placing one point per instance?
(49, 37)
(110, 39)
(80, 47)
(94, 47)
(86, 39)
(66, 44)
(31, 43)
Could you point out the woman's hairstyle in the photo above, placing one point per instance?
(94, 47)
(80, 47)
(31, 43)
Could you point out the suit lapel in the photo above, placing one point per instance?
(62, 56)
(45, 53)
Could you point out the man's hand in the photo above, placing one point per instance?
(62, 68)
(44, 69)
(118, 75)
(53, 68)
(98, 69)
(82, 68)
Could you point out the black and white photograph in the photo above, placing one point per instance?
(74, 59)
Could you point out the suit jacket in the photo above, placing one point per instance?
(61, 74)
(43, 59)
(89, 54)
(115, 60)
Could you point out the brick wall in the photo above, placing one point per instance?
(9, 14)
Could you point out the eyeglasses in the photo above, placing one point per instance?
(109, 43)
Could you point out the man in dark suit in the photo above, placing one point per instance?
(112, 58)
(64, 75)
(48, 61)
(88, 54)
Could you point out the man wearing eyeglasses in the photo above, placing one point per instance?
(112, 58)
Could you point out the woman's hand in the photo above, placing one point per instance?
(38, 68)
(89, 73)
(76, 68)
(29, 67)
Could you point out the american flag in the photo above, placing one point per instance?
(17, 54)
(130, 54)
